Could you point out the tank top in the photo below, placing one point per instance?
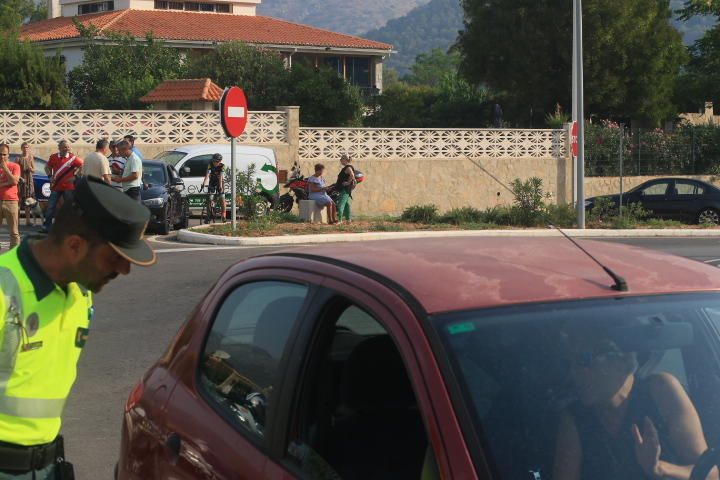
(344, 177)
(606, 456)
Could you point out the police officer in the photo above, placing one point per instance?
(46, 302)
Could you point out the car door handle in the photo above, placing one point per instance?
(174, 443)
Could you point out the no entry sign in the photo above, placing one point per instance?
(574, 139)
(233, 111)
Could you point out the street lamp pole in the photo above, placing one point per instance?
(580, 111)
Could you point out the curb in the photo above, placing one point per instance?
(196, 237)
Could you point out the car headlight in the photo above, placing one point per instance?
(154, 202)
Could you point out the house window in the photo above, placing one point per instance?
(193, 7)
(161, 5)
(335, 63)
(95, 7)
(222, 8)
(175, 5)
(358, 71)
(207, 7)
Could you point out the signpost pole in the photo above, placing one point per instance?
(579, 107)
(233, 184)
(574, 114)
(622, 135)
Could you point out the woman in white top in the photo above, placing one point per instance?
(318, 192)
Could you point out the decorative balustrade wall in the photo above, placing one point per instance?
(43, 127)
(391, 144)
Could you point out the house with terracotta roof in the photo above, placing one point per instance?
(193, 94)
(196, 27)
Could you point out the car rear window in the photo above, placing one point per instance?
(593, 389)
(172, 157)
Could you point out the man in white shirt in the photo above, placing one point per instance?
(96, 164)
(131, 177)
(117, 164)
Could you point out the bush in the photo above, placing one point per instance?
(529, 209)
(498, 215)
(604, 210)
(563, 216)
(459, 216)
(420, 214)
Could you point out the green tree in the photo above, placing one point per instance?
(431, 67)
(325, 99)
(522, 48)
(700, 80)
(28, 79)
(261, 73)
(118, 69)
(15, 12)
(699, 7)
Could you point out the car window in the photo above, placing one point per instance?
(196, 166)
(655, 189)
(240, 360)
(357, 416)
(556, 385)
(172, 157)
(688, 188)
(154, 173)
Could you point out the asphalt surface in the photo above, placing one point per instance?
(137, 315)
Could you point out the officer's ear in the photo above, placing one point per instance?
(76, 247)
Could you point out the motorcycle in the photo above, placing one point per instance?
(298, 189)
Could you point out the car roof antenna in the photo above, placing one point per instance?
(620, 284)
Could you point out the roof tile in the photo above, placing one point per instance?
(195, 26)
(190, 90)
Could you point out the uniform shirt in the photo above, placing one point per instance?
(41, 339)
(9, 192)
(96, 165)
(133, 164)
(63, 178)
(119, 163)
(215, 174)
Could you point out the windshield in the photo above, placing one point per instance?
(596, 389)
(154, 174)
(172, 157)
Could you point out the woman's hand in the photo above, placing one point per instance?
(647, 448)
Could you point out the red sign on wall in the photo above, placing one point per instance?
(233, 111)
(574, 139)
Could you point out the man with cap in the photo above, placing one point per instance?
(46, 287)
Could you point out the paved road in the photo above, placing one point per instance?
(139, 314)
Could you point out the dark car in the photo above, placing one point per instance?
(162, 194)
(673, 198)
(452, 358)
(40, 178)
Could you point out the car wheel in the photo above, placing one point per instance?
(709, 215)
(285, 204)
(165, 226)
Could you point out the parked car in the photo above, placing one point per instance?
(192, 163)
(672, 198)
(426, 358)
(40, 179)
(162, 194)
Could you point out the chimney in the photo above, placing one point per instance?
(54, 9)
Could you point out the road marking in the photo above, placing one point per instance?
(221, 247)
(711, 261)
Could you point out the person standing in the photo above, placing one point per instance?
(62, 167)
(96, 164)
(131, 177)
(117, 164)
(46, 298)
(346, 182)
(27, 184)
(9, 198)
(130, 139)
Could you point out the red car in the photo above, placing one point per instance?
(492, 358)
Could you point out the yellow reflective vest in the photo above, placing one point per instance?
(41, 337)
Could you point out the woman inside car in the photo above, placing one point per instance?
(623, 426)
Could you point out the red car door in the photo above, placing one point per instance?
(225, 401)
(366, 320)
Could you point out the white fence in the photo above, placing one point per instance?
(44, 127)
(388, 144)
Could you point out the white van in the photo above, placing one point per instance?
(192, 162)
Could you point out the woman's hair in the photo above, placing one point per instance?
(319, 166)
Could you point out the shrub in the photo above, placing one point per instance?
(459, 216)
(562, 216)
(529, 209)
(420, 214)
(604, 210)
(498, 215)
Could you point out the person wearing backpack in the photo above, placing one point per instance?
(346, 183)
